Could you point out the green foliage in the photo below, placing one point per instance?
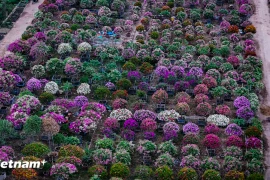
(26, 92)
(32, 125)
(58, 138)
(102, 92)
(143, 172)
(164, 173)
(154, 35)
(36, 149)
(187, 174)
(119, 170)
(124, 84)
(255, 176)
(46, 98)
(211, 174)
(67, 86)
(71, 140)
(98, 170)
(6, 131)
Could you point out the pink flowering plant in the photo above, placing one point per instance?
(223, 109)
(234, 141)
(148, 124)
(211, 129)
(102, 156)
(63, 170)
(99, 108)
(119, 103)
(191, 162)
(111, 123)
(83, 125)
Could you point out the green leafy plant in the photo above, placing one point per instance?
(46, 98)
(119, 170)
(32, 125)
(143, 172)
(98, 170)
(102, 92)
(187, 174)
(36, 149)
(164, 173)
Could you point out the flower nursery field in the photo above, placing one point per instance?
(124, 90)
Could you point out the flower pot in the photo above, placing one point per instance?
(201, 122)
(3, 175)
(211, 152)
(18, 127)
(20, 84)
(56, 79)
(181, 120)
(3, 110)
(45, 138)
(15, 91)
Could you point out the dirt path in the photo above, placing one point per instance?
(261, 20)
(20, 26)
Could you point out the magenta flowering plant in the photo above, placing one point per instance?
(3, 156)
(170, 135)
(128, 135)
(17, 118)
(119, 103)
(148, 124)
(8, 150)
(162, 71)
(245, 112)
(83, 125)
(253, 142)
(108, 132)
(233, 129)
(131, 124)
(196, 71)
(66, 103)
(178, 70)
(73, 66)
(233, 60)
(34, 84)
(241, 101)
(19, 46)
(11, 62)
(211, 129)
(63, 170)
(26, 104)
(245, 9)
(224, 25)
(144, 86)
(95, 116)
(181, 85)
(149, 135)
(99, 108)
(211, 141)
(134, 75)
(59, 118)
(191, 128)
(5, 97)
(201, 89)
(142, 114)
(191, 162)
(40, 36)
(249, 42)
(234, 141)
(80, 101)
(111, 123)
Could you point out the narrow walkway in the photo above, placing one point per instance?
(19, 26)
(261, 20)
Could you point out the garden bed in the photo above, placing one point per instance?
(146, 90)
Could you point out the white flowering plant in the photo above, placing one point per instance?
(84, 47)
(121, 114)
(51, 87)
(64, 48)
(84, 89)
(168, 115)
(218, 119)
